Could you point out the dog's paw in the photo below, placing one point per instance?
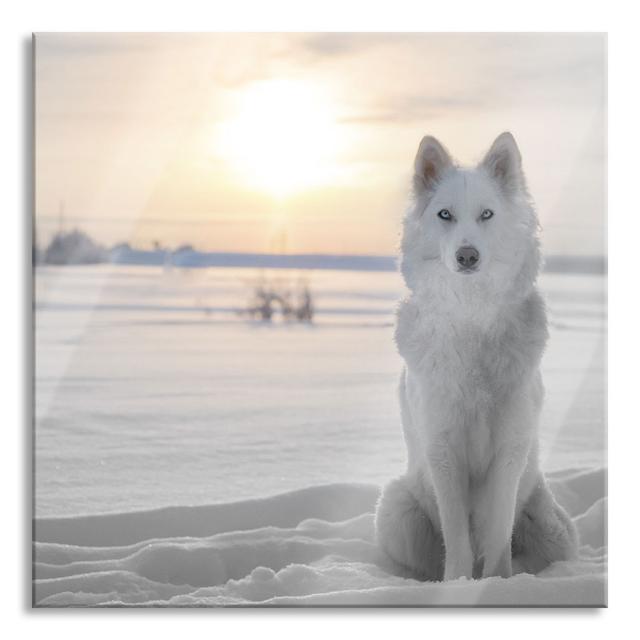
(459, 566)
(500, 567)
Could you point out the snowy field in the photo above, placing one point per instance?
(188, 456)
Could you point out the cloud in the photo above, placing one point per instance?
(92, 44)
(323, 45)
(428, 76)
(412, 108)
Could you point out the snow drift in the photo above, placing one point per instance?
(312, 547)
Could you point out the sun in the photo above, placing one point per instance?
(283, 137)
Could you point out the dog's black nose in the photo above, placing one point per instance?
(467, 257)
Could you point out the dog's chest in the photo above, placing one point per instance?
(454, 357)
(459, 374)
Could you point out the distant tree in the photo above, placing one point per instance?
(119, 251)
(304, 311)
(74, 247)
(269, 298)
(262, 305)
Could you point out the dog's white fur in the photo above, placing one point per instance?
(473, 499)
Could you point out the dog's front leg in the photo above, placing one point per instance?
(501, 491)
(451, 485)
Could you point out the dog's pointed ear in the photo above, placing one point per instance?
(503, 162)
(432, 160)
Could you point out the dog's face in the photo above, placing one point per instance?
(468, 223)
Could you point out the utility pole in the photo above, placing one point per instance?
(61, 216)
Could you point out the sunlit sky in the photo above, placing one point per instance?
(305, 142)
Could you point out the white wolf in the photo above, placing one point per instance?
(473, 501)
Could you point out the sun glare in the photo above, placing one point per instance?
(282, 138)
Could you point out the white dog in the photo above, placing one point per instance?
(472, 332)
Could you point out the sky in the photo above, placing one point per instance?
(304, 142)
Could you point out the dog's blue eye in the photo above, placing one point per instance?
(486, 214)
(444, 214)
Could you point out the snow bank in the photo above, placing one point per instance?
(309, 547)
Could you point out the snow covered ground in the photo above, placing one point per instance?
(155, 400)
